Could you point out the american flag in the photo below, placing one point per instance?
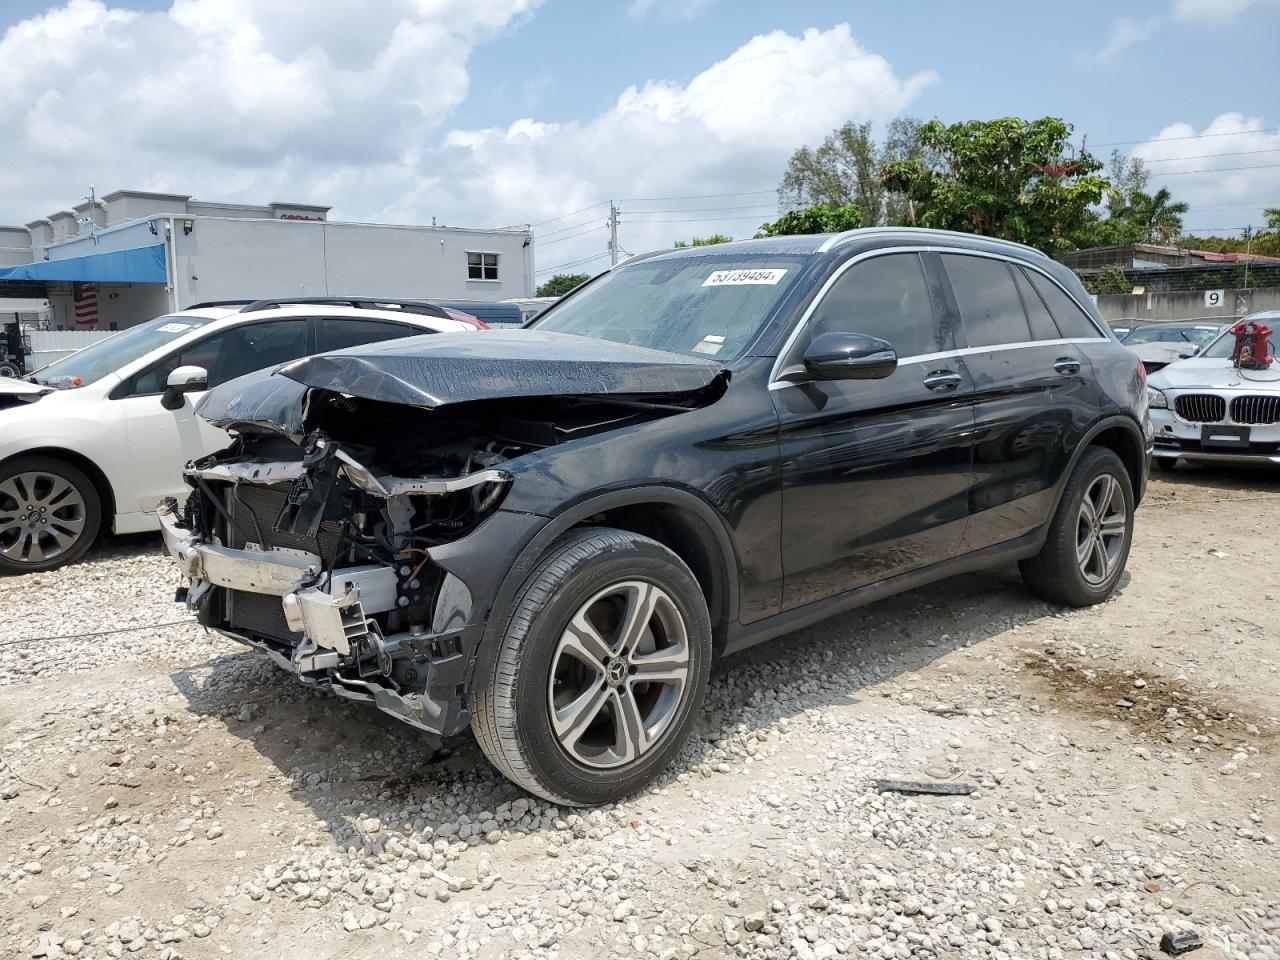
(86, 303)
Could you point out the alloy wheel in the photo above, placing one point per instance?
(42, 516)
(1100, 529)
(618, 674)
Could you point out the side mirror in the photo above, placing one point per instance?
(849, 356)
(1186, 353)
(182, 381)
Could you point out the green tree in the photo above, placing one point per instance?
(819, 219)
(1127, 174)
(561, 284)
(845, 169)
(1154, 217)
(703, 241)
(1010, 178)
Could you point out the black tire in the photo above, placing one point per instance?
(7, 369)
(46, 550)
(1164, 463)
(513, 700)
(1055, 574)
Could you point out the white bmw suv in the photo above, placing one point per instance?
(97, 439)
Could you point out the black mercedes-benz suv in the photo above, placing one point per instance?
(549, 533)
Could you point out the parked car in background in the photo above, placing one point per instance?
(96, 439)
(1160, 344)
(549, 533)
(1207, 408)
(1120, 329)
(501, 313)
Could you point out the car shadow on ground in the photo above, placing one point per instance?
(342, 758)
(1260, 477)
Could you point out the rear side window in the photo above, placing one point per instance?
(337, 333)
(1072, 321)
(1042, 325)
(990, 308)
(885, 297)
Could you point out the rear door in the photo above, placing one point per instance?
(337, 333)
(876, 473)
(1034, 394)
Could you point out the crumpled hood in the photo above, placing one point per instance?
(440, 369)
(445, 368)
(1218, 373)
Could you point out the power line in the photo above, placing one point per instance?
(1194, 136)
(572, 263)
(705, 196)
(754, 216)
(1206, 156)
(565, 216)
(1180, 173)
(573, 236)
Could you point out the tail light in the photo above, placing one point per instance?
(466, 318)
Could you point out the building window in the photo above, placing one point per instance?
(482, 266)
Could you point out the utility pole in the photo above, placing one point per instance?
(1248, 247)
(613, 234)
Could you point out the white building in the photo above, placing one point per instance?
(134, 255)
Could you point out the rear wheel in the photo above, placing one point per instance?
(49, 514)
(601, 671)
(1087, 546)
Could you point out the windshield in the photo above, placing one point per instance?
(1197, 335)
(1225, 345)
(701, 306)
(106, 356)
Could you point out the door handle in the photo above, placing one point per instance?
(1067, 365)
(942, 380)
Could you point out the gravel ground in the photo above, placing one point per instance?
(166, 795)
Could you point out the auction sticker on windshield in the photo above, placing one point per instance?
(735, 278)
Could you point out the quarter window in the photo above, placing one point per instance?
(337, 333)
(990, 308)
(1072, 321)
(1042, 325)
(482, 266)
(885, 297)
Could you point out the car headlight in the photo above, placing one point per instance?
(1156, 399)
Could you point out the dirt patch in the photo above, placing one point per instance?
(1153, 705)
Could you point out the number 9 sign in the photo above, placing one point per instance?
(1214, 298)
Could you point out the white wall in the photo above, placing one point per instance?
(223, 259)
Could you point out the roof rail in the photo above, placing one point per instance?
(838, 239)
(217, 303)
(360, 303)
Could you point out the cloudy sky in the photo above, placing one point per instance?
(495, 112)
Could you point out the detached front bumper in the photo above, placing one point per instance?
(342, 648)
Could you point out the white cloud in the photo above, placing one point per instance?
(671, 9)
(357, 104)
(227, 99)
(1125, 32)
(1216, 11)
(728, 130)
(1227, 171)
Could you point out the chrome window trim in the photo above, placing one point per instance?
(794, 335)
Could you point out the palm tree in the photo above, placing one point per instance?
(1157, 217)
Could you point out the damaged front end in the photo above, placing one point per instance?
(325, 564)
(353, 530)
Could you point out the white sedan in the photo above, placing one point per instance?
(1208, 408)
(97, 439)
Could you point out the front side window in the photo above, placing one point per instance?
(482, 266)
(106, 356)
(885, 297)
(990, 308)
(229, 354)
(710, 306)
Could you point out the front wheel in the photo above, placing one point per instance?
(49, 514)
(601, 671)
(1087, 546)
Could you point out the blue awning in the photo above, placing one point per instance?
(140, 265)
